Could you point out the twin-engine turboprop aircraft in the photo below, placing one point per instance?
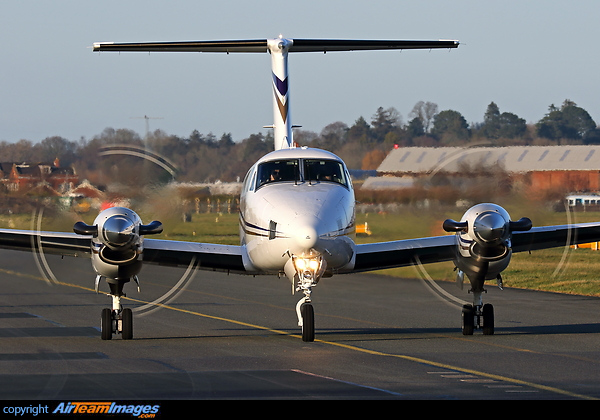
(297, 215)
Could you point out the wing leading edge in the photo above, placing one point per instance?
(381, 255)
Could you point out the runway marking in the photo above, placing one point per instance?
(349, 383)
(378, 353)
(342, 345)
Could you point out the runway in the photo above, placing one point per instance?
(236, 337)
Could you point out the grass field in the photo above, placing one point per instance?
(563, 270)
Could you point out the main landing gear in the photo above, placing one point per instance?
(478, 316)
(116, 320)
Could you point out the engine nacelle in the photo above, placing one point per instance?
(484, 239)
(117, 242)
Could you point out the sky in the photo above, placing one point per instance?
(524, 55)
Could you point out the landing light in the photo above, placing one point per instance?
(303, 264)
(309, 267)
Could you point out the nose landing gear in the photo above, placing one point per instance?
(304, 273)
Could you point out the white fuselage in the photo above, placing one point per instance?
(307, 208)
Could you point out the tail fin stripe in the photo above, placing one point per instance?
(282, 85)
(283, 107)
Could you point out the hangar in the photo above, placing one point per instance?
(568, 168)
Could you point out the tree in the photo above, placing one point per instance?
(254, 147)
(569, 122)
(450, 127)
(383, 122)
(372, 159)
(333, 135)
(496, 125)
(511, 125)
(20, 151)
(57, 147)
(226, 141)
(425, 111)
(415, 127)
(360, 132)
(491, 122)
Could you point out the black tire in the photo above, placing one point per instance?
(308, 322)
(488, 319)
(127, 324)
(106, 324)
(468, 320)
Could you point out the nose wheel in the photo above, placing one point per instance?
(308, 322)
(306, 319)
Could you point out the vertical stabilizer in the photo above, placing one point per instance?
(279, 49)
(282, 128)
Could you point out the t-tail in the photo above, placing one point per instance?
(279, 49)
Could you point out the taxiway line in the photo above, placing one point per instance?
(340, 345)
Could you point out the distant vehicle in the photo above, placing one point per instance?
(583, 200)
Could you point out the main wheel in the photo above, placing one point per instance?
(488, 319)
(468, 320)
(106, 324)
(308, 322)
(127, 324)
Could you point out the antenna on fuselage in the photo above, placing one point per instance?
(279, 49)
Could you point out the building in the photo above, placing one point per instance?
(20, 176)
(570, 168)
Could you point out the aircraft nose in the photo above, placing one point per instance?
(305, 237)
(490, 227)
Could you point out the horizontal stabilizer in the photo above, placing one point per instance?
(261, 45)
(244, 46)
(326, 45)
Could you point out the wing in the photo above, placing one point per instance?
(230, 258)
(62, 243)
(382, 255)
(156, 251)
(215, 257)
(555, 236)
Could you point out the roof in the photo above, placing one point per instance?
(298, 153)
(512, 159)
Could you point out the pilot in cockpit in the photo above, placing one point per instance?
(275, 175)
